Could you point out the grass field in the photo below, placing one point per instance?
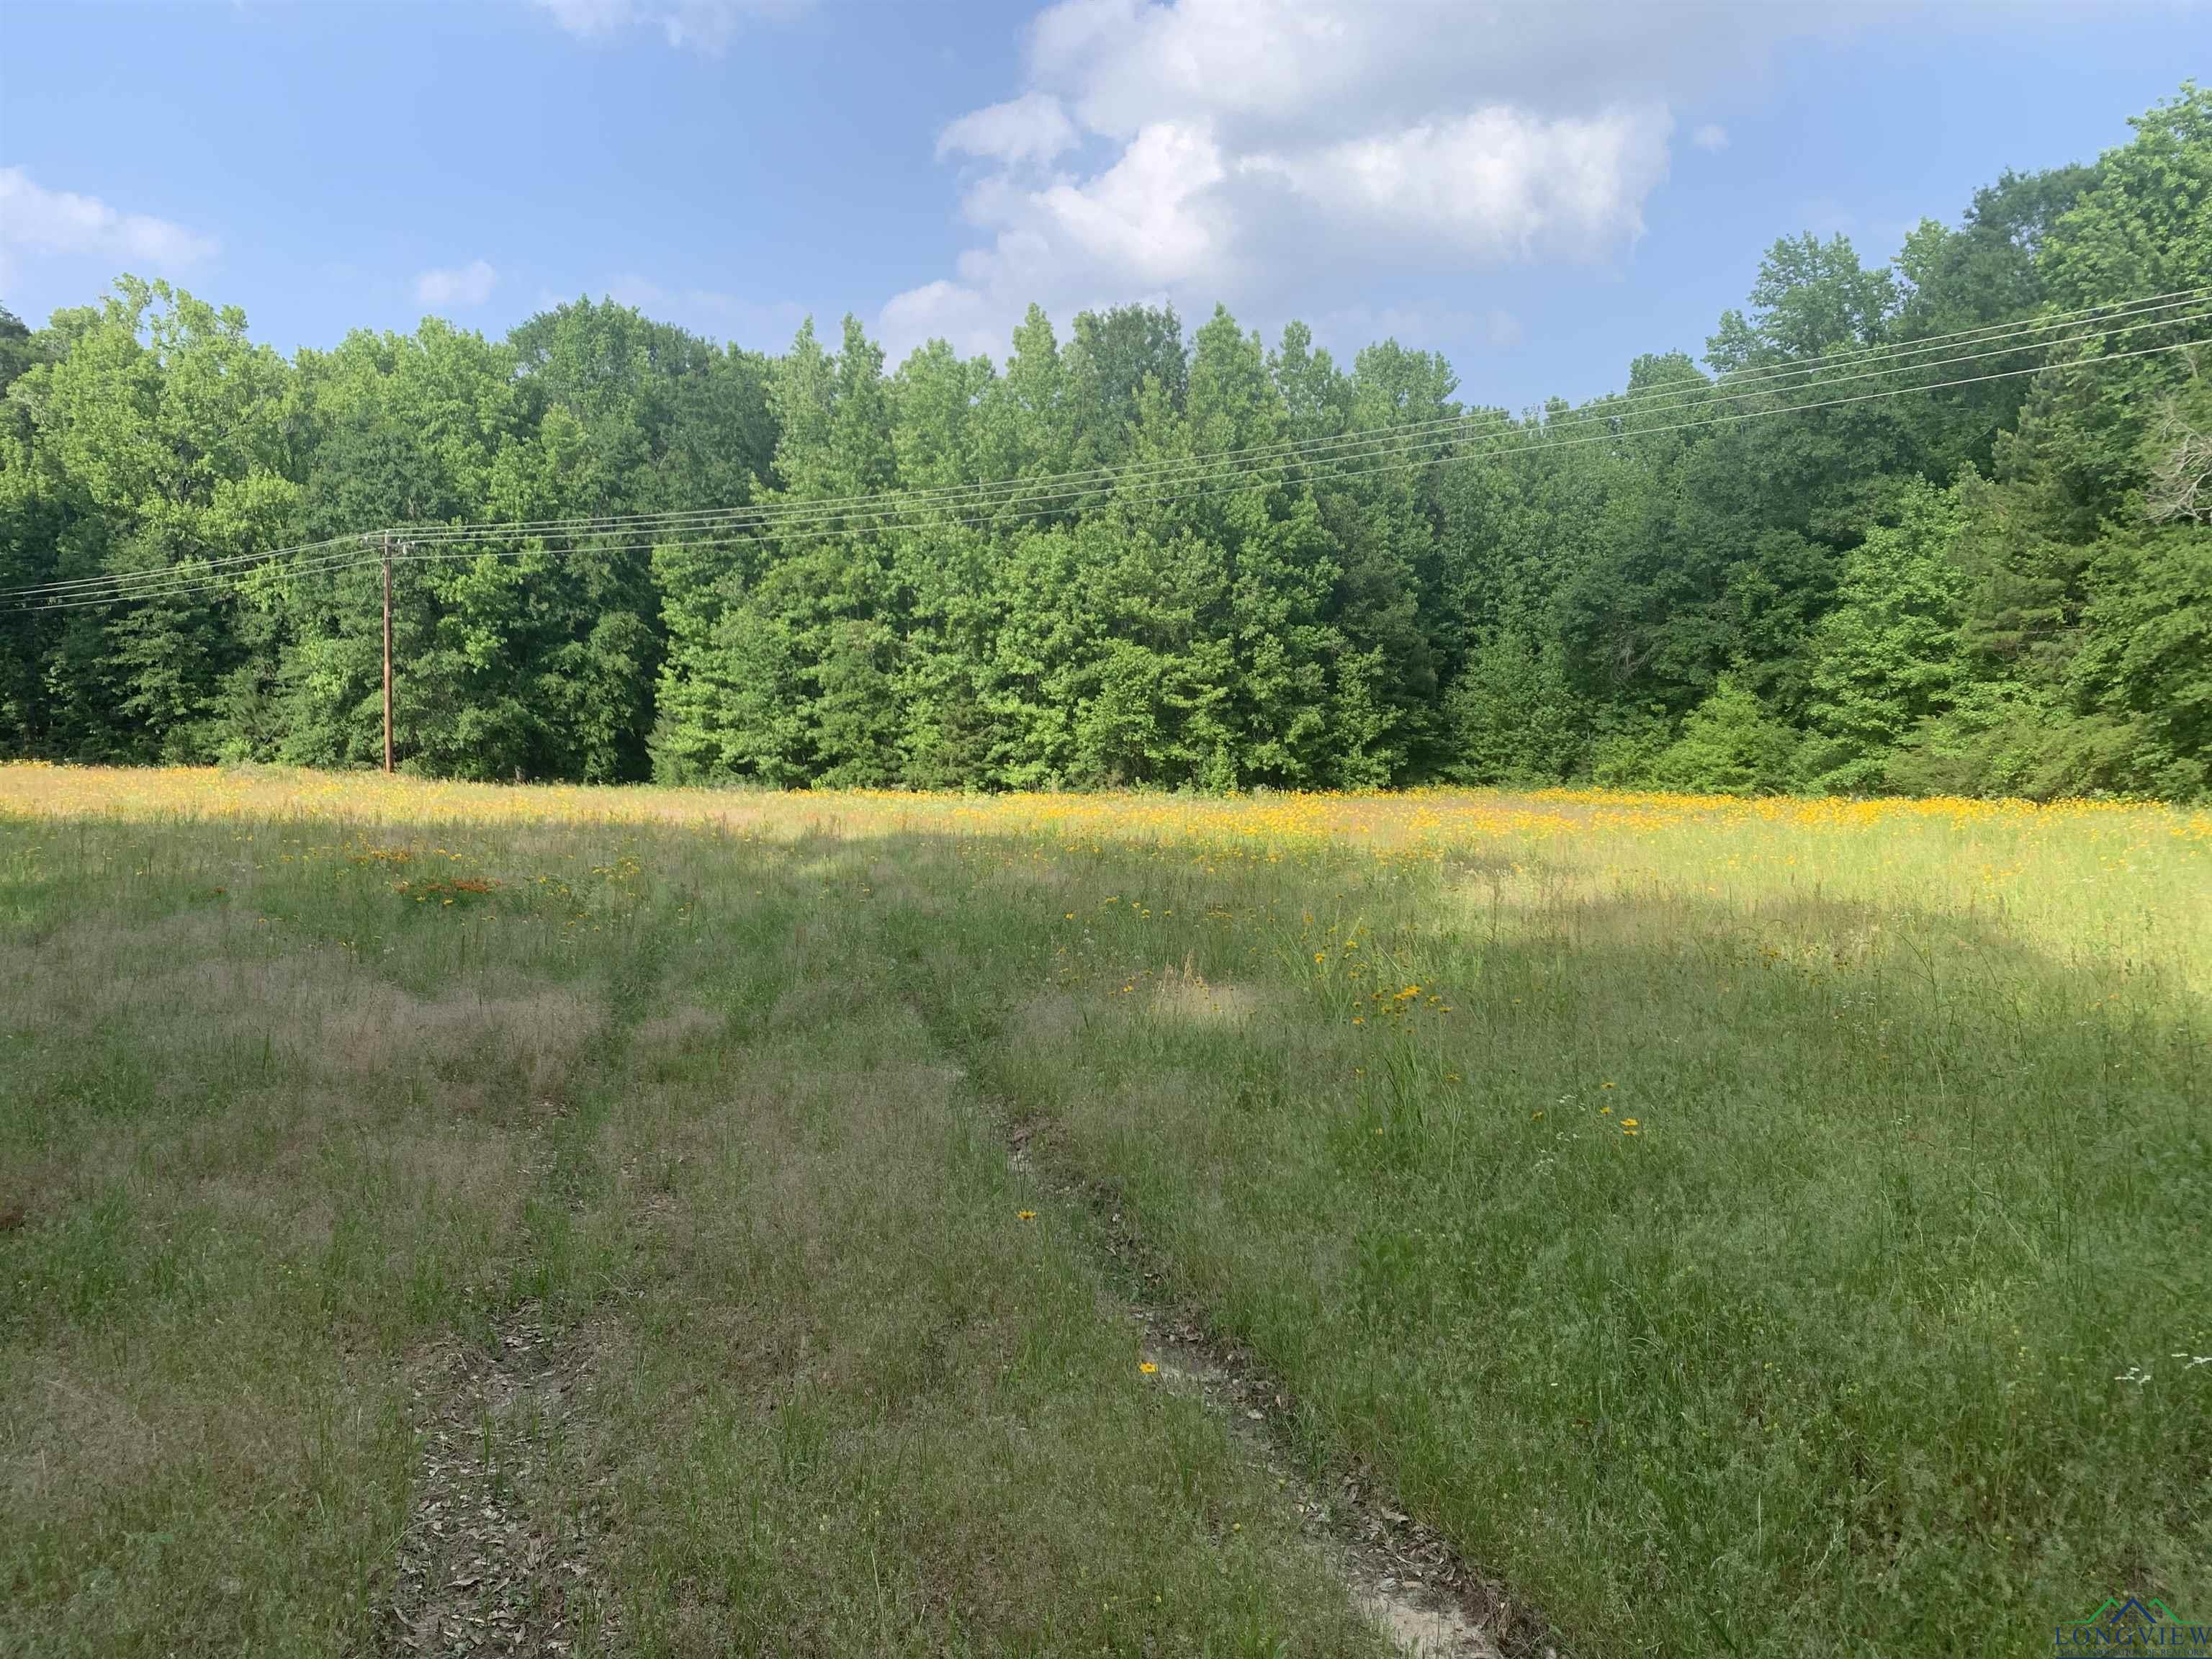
(487, 1218)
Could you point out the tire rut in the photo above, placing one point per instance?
(1405, 1576)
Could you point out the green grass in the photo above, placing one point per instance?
(283, 1147)
(1825, 1357)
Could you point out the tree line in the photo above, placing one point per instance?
(1998, 585)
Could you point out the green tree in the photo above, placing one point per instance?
(1811, 297)
(1066, 569)
(1114, 356)
(1984, 273)
(19, 349)
(1888, 657)
(1730, 745)
(411, 429)
(1513, 713)
(151, 443)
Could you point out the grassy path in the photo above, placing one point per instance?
(1772, 1231)
(610, 1257)
(1403, 1575)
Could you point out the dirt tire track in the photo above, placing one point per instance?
(480, 1569)
(1404, 1574)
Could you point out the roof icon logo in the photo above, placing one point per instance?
(2135, 1625)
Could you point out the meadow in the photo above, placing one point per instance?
(447, 1218)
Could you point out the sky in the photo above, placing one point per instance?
(1540, 192)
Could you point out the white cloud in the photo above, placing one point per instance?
(456, 289)
(705, 26)
(1265, 69)
(1315, 155)
(1138, 229)
(1495, 184)
(1030, 128)
(1712, 135)
(1153, 213)
(969, 317)
(35, 221)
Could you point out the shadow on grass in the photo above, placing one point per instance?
(1716, 1272)
(1756, 1276)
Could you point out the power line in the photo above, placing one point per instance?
(263, 557)
(1058, 487)
(1521, 444)
(2075, 326)
(194, 577)
(1522, 441)
(2079, 326)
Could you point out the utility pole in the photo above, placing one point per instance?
(387, 652)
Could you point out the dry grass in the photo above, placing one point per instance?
(1183, 995)
(314, 1156)
(316, 1093)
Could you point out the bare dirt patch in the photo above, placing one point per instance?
(1403, 1574)
(1184, 995)
(489, 1562)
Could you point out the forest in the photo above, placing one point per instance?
(1941, 525)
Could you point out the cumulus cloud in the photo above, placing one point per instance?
(1495, 184)
(37, 222)
(456, 289)
(1030, 128)
(1150, 213)
(1316, 154)
(705, 26)
(1712, 135)
(1263, 68)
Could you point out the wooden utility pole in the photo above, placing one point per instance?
(387, 653)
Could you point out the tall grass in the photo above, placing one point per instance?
(1762, 1227)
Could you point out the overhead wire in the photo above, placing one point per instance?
(263, 557)
(1521, 444)
(177, 580)
(2089, 323)
(1048, 493)
(2084, 324)
(185, 581)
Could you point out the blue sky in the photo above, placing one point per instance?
(1539, 192)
